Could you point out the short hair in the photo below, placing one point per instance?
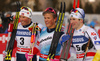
(54, 14)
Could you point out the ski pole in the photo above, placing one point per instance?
(86, 50)
(33, 29)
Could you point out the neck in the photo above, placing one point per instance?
(27, 25)
(50, 30)
(52, 27)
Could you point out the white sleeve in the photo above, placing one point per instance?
(94, 38)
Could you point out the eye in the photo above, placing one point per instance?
(19, 16)
(48, 17)
(44, 17)
(23, 17)
(74, 19)
(70, 19)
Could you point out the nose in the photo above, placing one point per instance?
(21, 18)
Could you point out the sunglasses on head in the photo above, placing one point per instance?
(26, 8)
(75, 11)
(51, 10)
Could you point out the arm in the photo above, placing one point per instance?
(94, 38)
(96, 42)
(64, 38)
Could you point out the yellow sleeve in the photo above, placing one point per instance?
(97, 56)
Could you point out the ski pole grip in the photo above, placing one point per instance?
(10, 27)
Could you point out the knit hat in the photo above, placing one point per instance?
(26, 11)
(77, 13)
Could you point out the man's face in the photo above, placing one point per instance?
(24, 20)
(76, 23)
(49, 20)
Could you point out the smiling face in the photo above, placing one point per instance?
(76, 23)
(49, 20)
(24, 20)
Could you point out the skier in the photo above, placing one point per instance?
(46, 35)
(23, 35)
(81, 36)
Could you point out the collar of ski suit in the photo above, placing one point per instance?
(50, 30)
(80, 29)
(27, 25)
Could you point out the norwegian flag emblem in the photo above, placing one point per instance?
(38, 43)
(27, 12)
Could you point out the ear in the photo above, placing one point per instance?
(81, 20)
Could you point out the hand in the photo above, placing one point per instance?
(28, 56)
(64, 38)
(4, 54)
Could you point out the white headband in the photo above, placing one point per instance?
(26, 13)
(79, 15)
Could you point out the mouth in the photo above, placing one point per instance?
(22, 22)
(46, 23)
(73, 25)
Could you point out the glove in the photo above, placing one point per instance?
(4, 54)
(97, 56)
(28, 56)
(64, 38)
(84, 46)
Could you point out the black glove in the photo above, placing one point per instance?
(85, 45)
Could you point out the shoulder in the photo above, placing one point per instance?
(92, 33)
(89, 29)
(44, 28)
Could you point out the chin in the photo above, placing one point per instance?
(23, 25)
(47, 26)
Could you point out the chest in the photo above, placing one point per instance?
(79, 40)
(46, 38)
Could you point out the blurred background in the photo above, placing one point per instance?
(91, 8)
(8, 9)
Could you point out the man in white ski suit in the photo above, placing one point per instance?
(81, 36)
